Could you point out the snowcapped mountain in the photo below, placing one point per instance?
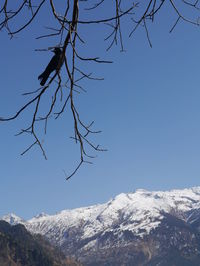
(137, 228)
(13, 219)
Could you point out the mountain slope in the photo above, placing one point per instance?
(141, 228)
(19, 248)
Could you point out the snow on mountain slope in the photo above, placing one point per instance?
(12, 219)
(138, 212)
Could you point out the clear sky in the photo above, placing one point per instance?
(148, 108)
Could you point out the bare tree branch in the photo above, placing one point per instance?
(63, 87)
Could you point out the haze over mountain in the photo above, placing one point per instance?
(140, 228)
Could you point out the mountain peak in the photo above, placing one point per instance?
(12, 219)
(41, 215)
(123, 220)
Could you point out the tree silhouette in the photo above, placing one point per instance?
(67, 30)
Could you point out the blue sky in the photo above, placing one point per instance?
(147, 108)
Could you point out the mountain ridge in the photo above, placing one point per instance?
(19, 248)
(140, 223)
